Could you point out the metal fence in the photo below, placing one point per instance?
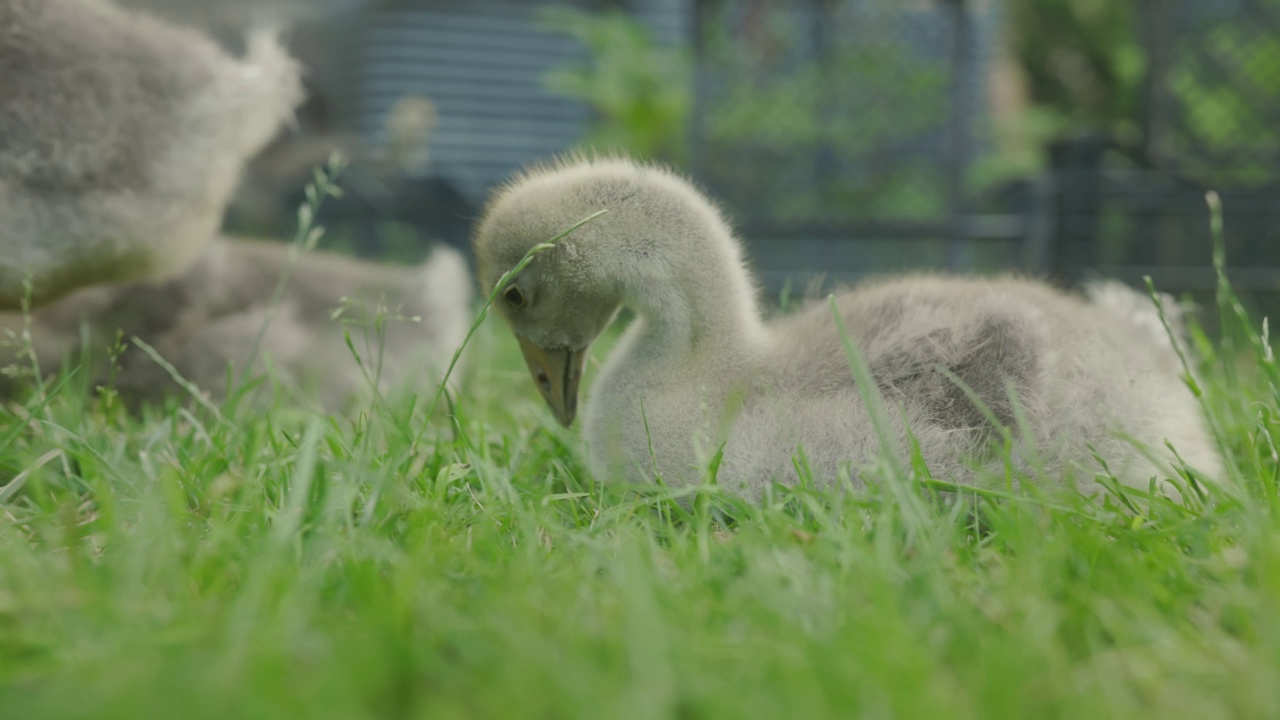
(840, 133)
(845, 135)
(813, 111)
(1209, 119)
(849, 137)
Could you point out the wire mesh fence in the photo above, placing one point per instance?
(856, 136)
(1215, 84)
(841, 133)
(830, 111)
(1210, 119)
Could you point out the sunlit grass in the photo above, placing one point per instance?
(461, 563)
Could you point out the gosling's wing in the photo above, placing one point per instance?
(953, 348)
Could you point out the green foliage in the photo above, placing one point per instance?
(1227, 93)
(198, 562)
(1085, 67)
(847, 108)
(841, 121)
(640, 92)
(1083, 63)
(797, 118)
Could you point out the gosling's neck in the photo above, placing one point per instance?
(693, 296)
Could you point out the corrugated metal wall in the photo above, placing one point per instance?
(482, 63)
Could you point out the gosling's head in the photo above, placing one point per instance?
(565, 296)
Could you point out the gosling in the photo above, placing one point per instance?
(700, 372)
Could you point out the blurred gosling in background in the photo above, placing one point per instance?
(121, 139)
(209, 318)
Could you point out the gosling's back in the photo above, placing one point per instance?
(954, 359)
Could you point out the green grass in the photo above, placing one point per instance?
(227, 563)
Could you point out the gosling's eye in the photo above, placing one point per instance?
(513, 296)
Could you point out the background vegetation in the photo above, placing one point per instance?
(1081, 65)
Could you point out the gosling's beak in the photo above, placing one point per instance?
(557, 373)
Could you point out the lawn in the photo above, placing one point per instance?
(231, 563)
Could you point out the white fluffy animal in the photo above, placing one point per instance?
(700, 369)
(211, 317)
(121, 140)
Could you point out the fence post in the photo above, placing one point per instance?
(1076, 168)
(1039, 213)
(698, 9)
(957, 131)
(1156, 25)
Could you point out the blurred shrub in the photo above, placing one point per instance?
(1227, 89)
(827, 117)
(803, 133)
(1085, 65)
(641, 92)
